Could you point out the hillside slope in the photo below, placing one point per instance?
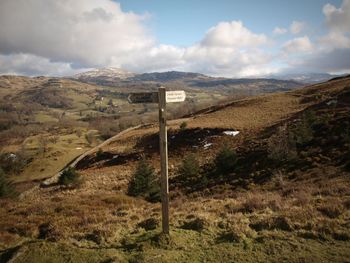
(286, 197)
(47, 122)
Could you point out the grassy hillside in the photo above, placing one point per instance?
(276, 192)
(47, 122)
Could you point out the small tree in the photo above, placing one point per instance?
(281, 145)
(303, 132)
(6, 187)
(189, 171)
(70, 177)
(183, 126)
(225, 161)
(144, 182)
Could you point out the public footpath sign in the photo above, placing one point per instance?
(175, 96)
(162, 97)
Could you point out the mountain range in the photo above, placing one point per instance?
(116, 77)
(111, 74)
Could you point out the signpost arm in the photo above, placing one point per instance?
(163, 160)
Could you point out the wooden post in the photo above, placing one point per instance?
(163, 145)
(162, 97)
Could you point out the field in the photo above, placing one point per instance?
(48, 122)
(285, 199)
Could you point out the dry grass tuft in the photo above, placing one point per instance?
(333, 208)
(255, 201)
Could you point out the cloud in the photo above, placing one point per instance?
(298, 45)
(49, 37)
(335, 61)
(338, 19)
(229, 49)
(227, 61)
(279, 31)
(85, 32)
(157, 58)
(27, 64)
(296, 27)
(65, 36)
(232, 34)
(334, 40)
(327, 53)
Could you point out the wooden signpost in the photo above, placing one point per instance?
(162, 97)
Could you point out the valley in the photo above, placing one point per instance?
(277, 191)
(47, 122)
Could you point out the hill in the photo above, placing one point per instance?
(278, 191)
(307, 78)
(187, 80)
(47, 122)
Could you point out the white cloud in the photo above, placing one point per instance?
(226, 61)
(232, 34)
(27, 64)
(64, 37)
(84, 32)
(60, 36)
(296, 27)
(338, 19)
(157, 58)
(297, 45)
(334, 40)
(279, 31)
(228, 49)
(328, 53)
(336, 61)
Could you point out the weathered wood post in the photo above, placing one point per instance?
(162, 97)
(163, 146)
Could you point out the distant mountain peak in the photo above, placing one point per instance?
(110, 72)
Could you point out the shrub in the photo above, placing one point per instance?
(197, 224)
(189, 171)
(99, 154)
(281, 145)
(49, 231)
(149, 224)
(303, 132)
(144, 182)
(183, 126)
(13, 163)
(6, 187)
(332, 210)
(225, 161)
(70, 177)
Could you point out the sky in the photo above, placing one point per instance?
(229, 38)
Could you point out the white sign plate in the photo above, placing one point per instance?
(175, 96)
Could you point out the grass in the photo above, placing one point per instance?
(41, 252)
(67, 147)
(187, 246)
(43, 117)
(297, 214)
